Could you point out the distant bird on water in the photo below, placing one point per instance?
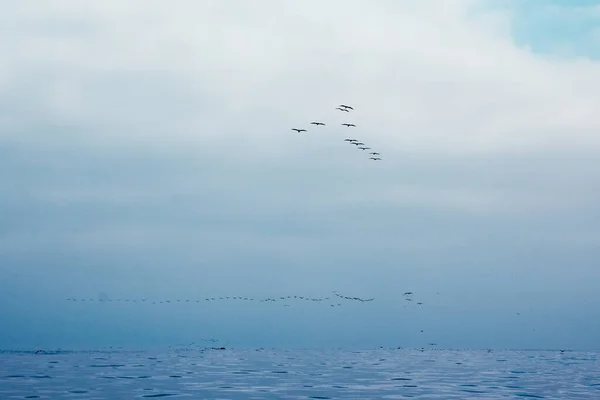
(299, 130)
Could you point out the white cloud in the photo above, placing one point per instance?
(427, 75)
(227, 80)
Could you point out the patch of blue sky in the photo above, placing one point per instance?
(555, 28)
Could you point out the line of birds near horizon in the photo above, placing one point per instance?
(407, 296)
(104, 298)
(345, 108)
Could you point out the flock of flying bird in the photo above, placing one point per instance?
(332, 301)
(286, 299)
(407, 297)
(375, 156)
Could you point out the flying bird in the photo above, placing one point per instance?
(317, 123)
(348, 107)
(349, 125)
(358, 143)
(374, 154)
(350, 140)
(342, 109)
(375, 158)
(299, 130)
(364, 148)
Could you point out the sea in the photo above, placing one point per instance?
(216, 373)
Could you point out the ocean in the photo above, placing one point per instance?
(299, 374)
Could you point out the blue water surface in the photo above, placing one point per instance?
(299, 374)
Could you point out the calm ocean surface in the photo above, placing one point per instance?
(280, 374)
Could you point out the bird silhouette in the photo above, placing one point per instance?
(299, 130)
(317, 123)
(348, 107)
(349, 125)
(342, 109)
(374, 154)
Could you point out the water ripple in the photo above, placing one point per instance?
(250, 374)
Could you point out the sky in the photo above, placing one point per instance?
(146, 152)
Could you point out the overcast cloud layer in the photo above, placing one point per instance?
(146, 152)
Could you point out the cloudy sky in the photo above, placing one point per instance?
(146, 151)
